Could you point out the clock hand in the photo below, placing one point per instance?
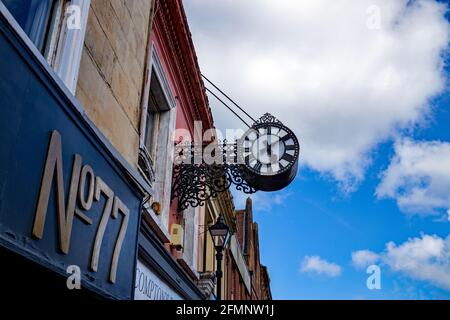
(269, 141)
(274, 143)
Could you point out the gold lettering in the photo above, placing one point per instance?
(54, 166)
(53, 169)
(118, 205)
(101, 186)
(86, 203)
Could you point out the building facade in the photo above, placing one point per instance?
(248, 239)
(93, 92)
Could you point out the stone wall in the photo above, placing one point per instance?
(112, 70)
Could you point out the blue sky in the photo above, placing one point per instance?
(316, 219)
(371, 108)
(334, 226)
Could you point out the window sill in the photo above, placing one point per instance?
(155, 224)
(186, 267)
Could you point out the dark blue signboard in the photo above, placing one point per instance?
(66, 197)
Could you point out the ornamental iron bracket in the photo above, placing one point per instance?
(195, 182)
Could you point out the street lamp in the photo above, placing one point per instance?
(220, 234)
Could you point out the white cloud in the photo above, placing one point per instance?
(364, 258)
(426, 258)
(316, 265)
(261, 201)
(316, 65)
(418, 177)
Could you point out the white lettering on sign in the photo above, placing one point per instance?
(149, 286)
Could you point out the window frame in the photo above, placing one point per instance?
(62, 48)
(155, 69)
(70, 46)
(161, 181)
(191, 229)
(54, 29)
(151, 153)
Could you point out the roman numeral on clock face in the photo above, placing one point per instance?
(249, 159)
(258, 166)
(285, 138)
(288, 157)
(289, 147)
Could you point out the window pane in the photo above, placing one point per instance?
(150, 122)
(189, 226)
(33, 16)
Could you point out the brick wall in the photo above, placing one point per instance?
(112, 70)
(248, 237)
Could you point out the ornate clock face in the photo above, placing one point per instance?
(269, 149)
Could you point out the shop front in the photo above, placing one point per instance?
(69, 203)
(150, 286)
(158, 274)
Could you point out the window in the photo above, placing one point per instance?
(233, 279)
(151, 123)
(190, 236)
(40, 19)
(157, 105)
(158, 119)
(34, 18)
(46, 24)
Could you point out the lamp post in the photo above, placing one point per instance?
(220, 234)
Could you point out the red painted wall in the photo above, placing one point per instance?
(171, 38)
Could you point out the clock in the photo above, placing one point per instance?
(268, 154)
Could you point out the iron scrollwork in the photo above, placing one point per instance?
(267, 118)
(196, 182)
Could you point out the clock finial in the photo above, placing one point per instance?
(267, 118)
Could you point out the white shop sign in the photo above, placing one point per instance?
(150, 286)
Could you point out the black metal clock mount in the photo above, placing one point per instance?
(265, 158)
